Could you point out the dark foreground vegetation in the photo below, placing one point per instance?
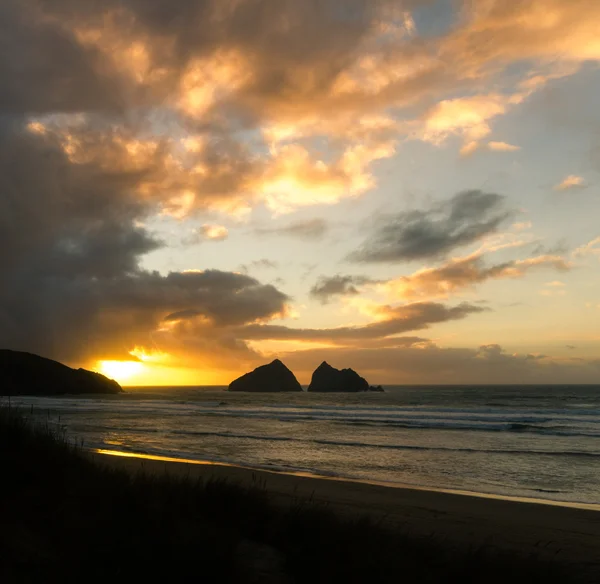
(62, 518)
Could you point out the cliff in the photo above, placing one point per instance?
(27, 374)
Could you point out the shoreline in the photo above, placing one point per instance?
(569, 534)
(385, 484)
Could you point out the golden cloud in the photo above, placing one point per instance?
(515, 31)
(502, 147)
(292, 178)
(349, 89)
(464, 273)
(570, 182)
(214, 232)
(465, 116)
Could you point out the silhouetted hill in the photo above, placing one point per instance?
(326, 378)
(273, 377)
(27, 374)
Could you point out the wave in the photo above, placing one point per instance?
(472, 426)
(358, 444)
(232, 435)
(559, 426)
(541, 421)
(449, 449)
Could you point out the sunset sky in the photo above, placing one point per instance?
(189, 189)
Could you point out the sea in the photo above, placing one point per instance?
(538, 442)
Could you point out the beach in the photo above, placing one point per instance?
(65, 506)
(522, 442)
(568, 533)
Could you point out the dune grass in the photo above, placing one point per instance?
(63, 518)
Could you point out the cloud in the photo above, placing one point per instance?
(474, 145)
(393, 320)
(207, 232)
(458, 274)
(327, 287)
(245, 120)
(262, 264)
(430, 364)
(112, 113)
(592, 248)
(464, 219)
(553, 292)
(502, 147)
(469, 148)
(70, 246)
(497, 32)
(46, 70)
(214, 232)
(294, 178)
(466, 116)
(224, 298)
(309, 229)
(571, 182)
(117, 60)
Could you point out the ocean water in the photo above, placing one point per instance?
(524, 441)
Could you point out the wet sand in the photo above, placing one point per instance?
(567, 533)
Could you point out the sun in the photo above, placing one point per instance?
(120, 370)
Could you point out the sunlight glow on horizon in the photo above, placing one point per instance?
(147, 372)
(120, 370)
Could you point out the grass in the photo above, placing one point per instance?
(64, 518)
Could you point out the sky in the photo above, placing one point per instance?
(412, 189)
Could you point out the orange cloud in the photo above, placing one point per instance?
(292, 178)
(465, 116)
(570, 182)
(347, 84)
(214, 232)
(502, 147)
(515, 31)
(464, 273)
(207, 80)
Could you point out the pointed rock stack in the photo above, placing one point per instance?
(329, 379)
(274, 377)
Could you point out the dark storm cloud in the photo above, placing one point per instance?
(328, 287)
(225, 298)
(395, 320)
(70, 245)
(44, 69)
(309, 229)
(53, 71)
(55, 214)
(64, 230)
(71, 234)
(412, 235)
